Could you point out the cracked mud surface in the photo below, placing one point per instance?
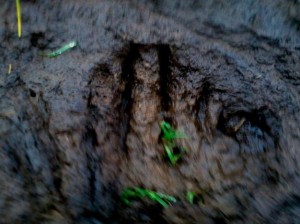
(77, 129)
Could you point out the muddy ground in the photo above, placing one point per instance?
(77, 129)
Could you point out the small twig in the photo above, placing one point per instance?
(18, 7)
(239, 125)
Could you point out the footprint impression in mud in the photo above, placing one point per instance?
(231, 119)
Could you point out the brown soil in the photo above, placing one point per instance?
(77, 129)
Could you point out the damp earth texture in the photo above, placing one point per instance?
(79, 128)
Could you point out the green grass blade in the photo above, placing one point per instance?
(61, 50)
(19, 18)
(166, 197)
(153, 196)
(168, 136)
(178, 134)
(170, 155)
(169, 133)
(136, 192)
(190, 195)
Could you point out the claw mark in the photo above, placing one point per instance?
(164, 55)
(128, 77)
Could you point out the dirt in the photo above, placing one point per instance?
(77, 129)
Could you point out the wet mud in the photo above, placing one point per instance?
(77, 129)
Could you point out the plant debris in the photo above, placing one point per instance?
(169, 135)
(239, 125)
(190, 196)
(9, 68)
(194, 198)
(137, 192)
(61, 50)
(18, 7)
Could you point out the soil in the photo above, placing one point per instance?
(77, 129)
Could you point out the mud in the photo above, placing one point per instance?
(77, 129)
